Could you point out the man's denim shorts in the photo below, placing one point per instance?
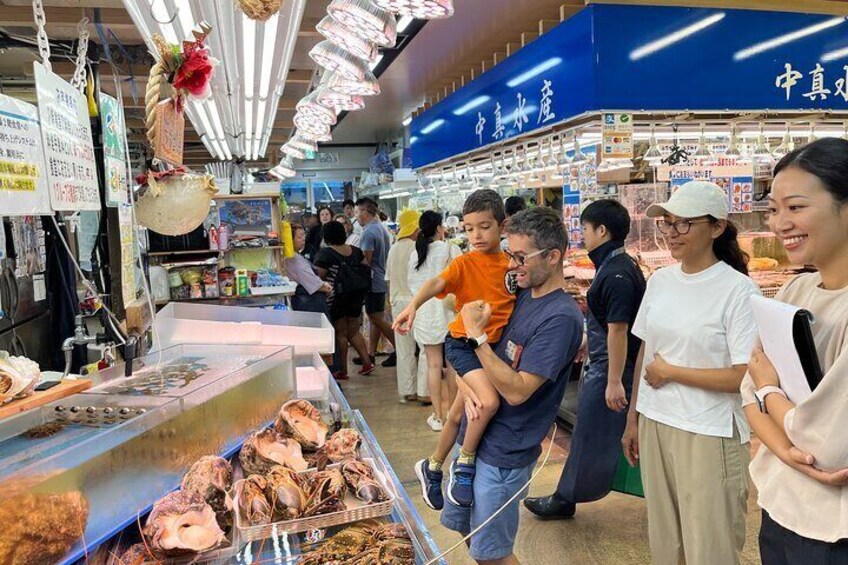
(493, 486)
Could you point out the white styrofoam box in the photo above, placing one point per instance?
(184, 322)
(313, 378)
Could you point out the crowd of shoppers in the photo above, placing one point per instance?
(674, 376)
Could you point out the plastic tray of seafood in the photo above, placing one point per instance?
(364, 543)
(193, 524)
(285, 501)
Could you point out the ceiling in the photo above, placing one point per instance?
(442, 55)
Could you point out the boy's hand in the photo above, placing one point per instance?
(475, 317)
(403, 321)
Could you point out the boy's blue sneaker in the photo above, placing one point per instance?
(461, 484)
(431, 484)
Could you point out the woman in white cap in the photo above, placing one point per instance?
(801, 469)
(685, 425)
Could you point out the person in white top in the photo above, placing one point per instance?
(431, 256)
(801, 468)
(411, 380)
(685, 425)
(352, 236)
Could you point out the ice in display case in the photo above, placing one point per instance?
(306, 332)
(76, 471)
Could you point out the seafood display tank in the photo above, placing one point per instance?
(77, 471)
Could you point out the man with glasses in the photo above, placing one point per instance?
(613, 301)
(529, 368)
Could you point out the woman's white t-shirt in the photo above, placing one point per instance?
(699, 321)
(431, 321)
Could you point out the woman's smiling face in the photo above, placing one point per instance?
(810, 223)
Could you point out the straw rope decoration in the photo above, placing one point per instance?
(153, 94)
(259, 10)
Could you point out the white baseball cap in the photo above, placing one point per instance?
(692, 200)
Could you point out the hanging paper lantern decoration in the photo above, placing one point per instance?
(339, 34)
(341, 102)
(336, 60)
(366, 20)
(418, 9)
(368, 86)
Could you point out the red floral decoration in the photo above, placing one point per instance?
(195, 72)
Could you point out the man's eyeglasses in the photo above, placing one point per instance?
(681, 226)
(520, 259)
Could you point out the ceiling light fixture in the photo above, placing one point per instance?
(786, 145)
(703, 151)
(579, 156)
(339, 34)
(403, 23)
(366, 20)
(421, 9)
(653, 156)
(674, 37)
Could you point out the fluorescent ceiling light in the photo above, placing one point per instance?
(216, 120)
(248, 28)
(376, 62)
(674, 37)
(834, 55)
(786, 38)
(432, 126)
(407, 121)
(269, 40)
(160, 13)
(470, 105)
(184, 14)
(204, 120)
(403, 23)
(260, 120)
(413, 139)
(248, 124)
(535, 71)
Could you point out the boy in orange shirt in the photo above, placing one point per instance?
(482, 274)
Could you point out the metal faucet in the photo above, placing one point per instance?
(81, 338)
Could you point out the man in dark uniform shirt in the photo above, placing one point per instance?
(613, 301)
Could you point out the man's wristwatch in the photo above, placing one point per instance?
(762, 393)
(475, 342)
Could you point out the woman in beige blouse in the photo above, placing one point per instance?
(801, 471)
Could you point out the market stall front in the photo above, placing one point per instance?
(629, 102)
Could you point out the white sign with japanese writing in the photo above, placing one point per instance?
(618, 136)
(23, 181)
(68, 149)
(816, 86)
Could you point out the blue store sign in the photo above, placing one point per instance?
(644, 58)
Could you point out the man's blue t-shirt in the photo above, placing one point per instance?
(375, 238)
(542, 338)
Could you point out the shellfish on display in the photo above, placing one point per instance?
(182, 523)
(253, 503)
(300, 420)
(266, 449)
(360, 477)
(285, 492)
(340, 447)
(18, 377)
(211, 477)
(365, 543)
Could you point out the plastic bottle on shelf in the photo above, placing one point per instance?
(213, 239)
(223, 237)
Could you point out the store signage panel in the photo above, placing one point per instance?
(645, 58)
(617, 136)
(68, 148)
(114, 150)
(23, 181)
(728, 59)
(546, 82)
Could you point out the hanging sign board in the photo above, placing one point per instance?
(114, 151)
(68, 149)
(170, 130)
(618, 136)
(23, 182)
(125, 224)
(736, 180)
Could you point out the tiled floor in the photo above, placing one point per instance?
(612, 531)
